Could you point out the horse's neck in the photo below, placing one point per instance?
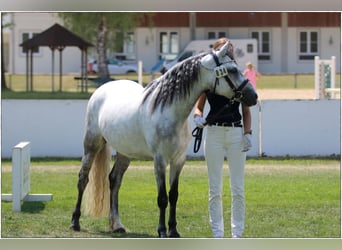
(184, 107)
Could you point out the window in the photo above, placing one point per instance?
(264, 44)
(126, 50)
(28, 35)
(169, 45)
(216, 34)
(308, 45)
(129, 43)
(129, 46)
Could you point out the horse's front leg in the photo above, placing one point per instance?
(175, 170)
(115, 178)
(159, 171)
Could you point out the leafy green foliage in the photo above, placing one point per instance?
(86, 24)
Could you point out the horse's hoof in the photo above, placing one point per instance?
(75, 227)
(162, 234)
(174, 234)
(119, 230)
(162, 231)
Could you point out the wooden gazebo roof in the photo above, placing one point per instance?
(55, 37)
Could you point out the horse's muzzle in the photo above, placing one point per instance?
(249, 97)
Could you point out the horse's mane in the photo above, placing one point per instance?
(175, 84)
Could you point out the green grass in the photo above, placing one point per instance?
(44, 95)
(42, 85)
(297, 198)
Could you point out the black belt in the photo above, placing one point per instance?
(227, 124)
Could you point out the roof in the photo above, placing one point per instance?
(56, 36)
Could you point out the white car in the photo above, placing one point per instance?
(115, 67)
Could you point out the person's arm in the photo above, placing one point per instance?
(247, 131)
(258, 75)
(199, 120)
(247, 120)
(199, 106)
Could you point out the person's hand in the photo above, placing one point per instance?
(247, 142)
(199, 121)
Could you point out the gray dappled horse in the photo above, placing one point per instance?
(150, 122)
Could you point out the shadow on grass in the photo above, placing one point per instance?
(129, 235)
(32, 207)
(108, 234)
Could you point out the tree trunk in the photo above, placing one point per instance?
(101, 49)
(3, 80)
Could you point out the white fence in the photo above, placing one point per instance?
(281, 127)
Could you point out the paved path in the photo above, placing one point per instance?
(287, 94)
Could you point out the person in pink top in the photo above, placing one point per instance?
(252, 74)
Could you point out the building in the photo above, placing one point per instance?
(287, 41)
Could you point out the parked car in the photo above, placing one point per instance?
(115, 67)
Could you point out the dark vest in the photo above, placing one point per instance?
(231, 114)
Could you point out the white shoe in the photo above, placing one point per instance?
(235, 236)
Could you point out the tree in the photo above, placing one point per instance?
(3, 26)
(106, 30)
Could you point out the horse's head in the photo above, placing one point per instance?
(230, 82)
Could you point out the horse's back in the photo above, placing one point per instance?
(116, 112)
(121, 89)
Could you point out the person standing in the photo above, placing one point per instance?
(226, 136)
(252, 74)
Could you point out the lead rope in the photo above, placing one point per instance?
(197, 133)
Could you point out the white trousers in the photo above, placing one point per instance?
(221, 142)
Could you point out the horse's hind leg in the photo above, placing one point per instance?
(91, 148)
(115, 178)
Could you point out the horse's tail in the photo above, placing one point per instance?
(97, 194)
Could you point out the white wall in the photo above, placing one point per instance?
(301, 127)
(286, 127)
(54, 127)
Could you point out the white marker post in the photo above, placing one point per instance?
(140, 73)
(21, 158)
(325, 72)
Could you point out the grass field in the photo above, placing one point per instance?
(42, 85)
(285, 198)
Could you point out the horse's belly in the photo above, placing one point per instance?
(128, 140)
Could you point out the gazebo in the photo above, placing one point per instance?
(56, 38)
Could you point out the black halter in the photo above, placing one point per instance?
(237, 91)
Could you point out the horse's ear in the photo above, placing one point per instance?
(226, 49)
(223, 50)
